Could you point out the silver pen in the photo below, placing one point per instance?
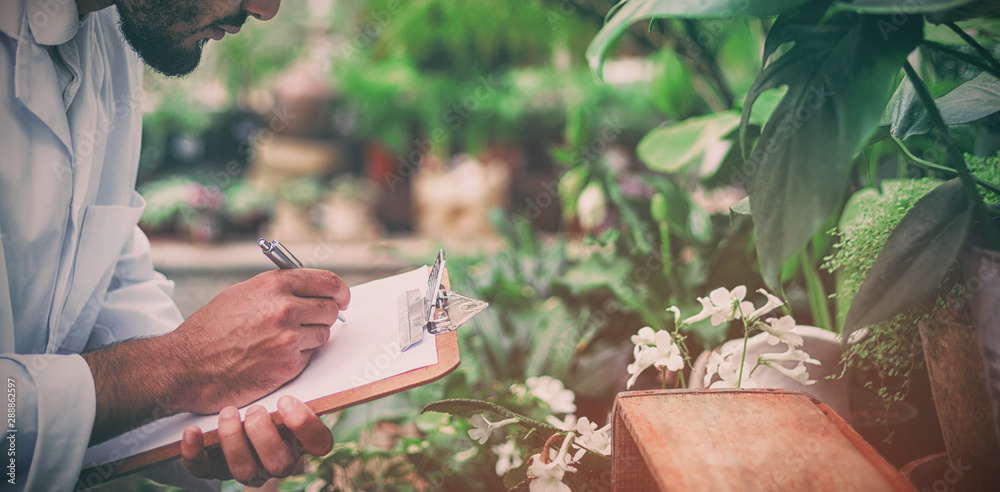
(284, 259)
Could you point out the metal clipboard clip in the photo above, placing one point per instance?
(441, 311)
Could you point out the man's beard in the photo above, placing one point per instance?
(150, 28)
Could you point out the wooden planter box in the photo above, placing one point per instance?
(719, 440)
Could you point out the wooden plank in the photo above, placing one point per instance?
(695, 440)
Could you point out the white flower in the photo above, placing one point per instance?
(567, 424)
(723, 305)
(677, 314)
(519, 390)
(645, 336)
(669, 352)
(482, 428)
(507, 457)
(791, 355)
(591, 207)
(799, 372)
(551, 391)
(547, 477)
(780, 330)
(592, 438)
(727, 366)
(773, 302)
(653, 349)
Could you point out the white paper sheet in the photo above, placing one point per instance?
(364, 350)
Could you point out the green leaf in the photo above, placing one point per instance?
(636, 10)
(915, 258)
(789, 25)
(670, 149)
(975, 99)
(596, 272)
(765, 105)
(899, 7)
(464, 406)
(673, 91)
(837, 77)
(741, 207)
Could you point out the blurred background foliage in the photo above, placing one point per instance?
(625, 195)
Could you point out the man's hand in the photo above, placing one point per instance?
(255, 450)
(248, 341)
(256, 336)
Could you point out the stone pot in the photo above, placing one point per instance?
(958, 383)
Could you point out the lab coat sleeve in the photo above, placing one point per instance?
(139, 301)
(53, 400)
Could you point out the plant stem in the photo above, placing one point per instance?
(983, 52)
(956, 156)
(746, 335)
(930, 166)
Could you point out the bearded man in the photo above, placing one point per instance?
(91, 342)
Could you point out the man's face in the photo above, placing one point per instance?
(170, 34)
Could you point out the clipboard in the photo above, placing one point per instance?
(448, 359)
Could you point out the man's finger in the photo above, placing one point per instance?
(305, 425)
(316, 311)
(193, 454)
(239, 457)
(277, 459)
(307, 282)
(314, 337)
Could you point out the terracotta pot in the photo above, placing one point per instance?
(982, 273)
(951, 350)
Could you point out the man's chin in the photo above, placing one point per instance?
(174, 62)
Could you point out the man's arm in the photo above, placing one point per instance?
(167, 371)
(248, 341)
(46, 443)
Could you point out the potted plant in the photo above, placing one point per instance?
(838, 64)
(182, 205)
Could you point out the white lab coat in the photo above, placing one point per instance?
(75, 271)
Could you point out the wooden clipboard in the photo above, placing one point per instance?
(448, 359)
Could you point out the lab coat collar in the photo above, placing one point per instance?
(50, 22)
(36, 24)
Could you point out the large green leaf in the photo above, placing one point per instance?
(635, 10)
(899, 7)
(915, 258)
(838, 77)
(787, 26)
(671, 148)
(975, 99)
